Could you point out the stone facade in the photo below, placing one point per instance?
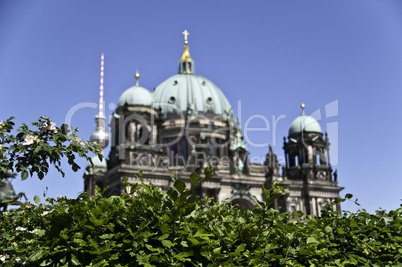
(187, 124)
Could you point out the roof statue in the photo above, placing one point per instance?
(238, 141)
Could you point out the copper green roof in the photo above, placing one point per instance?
(136, 95)
(304, 123)
(183, 90)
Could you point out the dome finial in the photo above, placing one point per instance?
(137, 76)
(186, 64)
(302, 107)
(186, 34)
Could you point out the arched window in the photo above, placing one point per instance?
(293, 208)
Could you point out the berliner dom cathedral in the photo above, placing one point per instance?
(187, 124)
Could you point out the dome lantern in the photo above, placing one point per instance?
(186, 64)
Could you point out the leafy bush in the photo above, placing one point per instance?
(151, 227)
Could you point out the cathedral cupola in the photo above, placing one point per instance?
(304, 123)
(188, 93)
(136, 95)
(186, 64)
(308, 168)
(100, 135)
(306, 151)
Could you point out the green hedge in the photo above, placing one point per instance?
(151, 227)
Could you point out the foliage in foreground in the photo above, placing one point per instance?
(32, 151)
(150, 227)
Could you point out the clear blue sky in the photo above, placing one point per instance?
(270, 55)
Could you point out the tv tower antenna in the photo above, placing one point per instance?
(100, 135)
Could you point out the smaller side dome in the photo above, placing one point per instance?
(136, 95)
(304, 123)
(98, 164)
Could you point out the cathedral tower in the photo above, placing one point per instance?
(307, 170)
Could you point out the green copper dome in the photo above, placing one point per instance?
(304, 123)
(98, 163)
(186, 91)
(136, 95)
(190, 93)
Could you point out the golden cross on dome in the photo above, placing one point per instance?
(186, 34)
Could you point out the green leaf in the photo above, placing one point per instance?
(75, 167)
(163, 237)
(217, 250)
(24, 175)
(194, 178)
(36, 199)
(193, 240)
(106, 236)
(341, 231)
(38, 255)
(79, 241)
(240, 248)
(179, 185)
(74, 260)
(311, 240)
(183, 255)
(167, 243)
(348, 196)
(208, 173)
(172, 194)
(64, 128)
(266, 192)
(165, 228)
